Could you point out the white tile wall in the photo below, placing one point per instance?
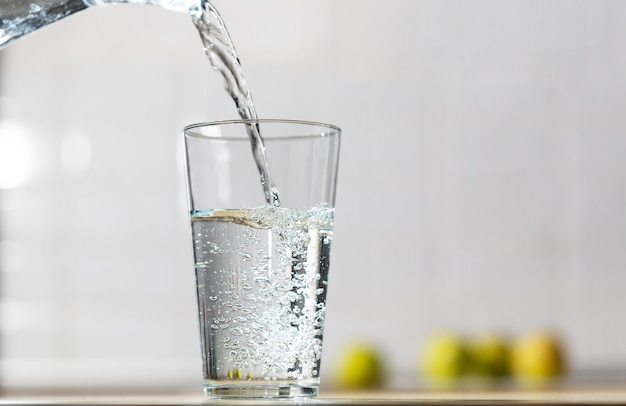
(482, 173)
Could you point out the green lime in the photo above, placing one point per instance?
(360, 367)
(445, 359)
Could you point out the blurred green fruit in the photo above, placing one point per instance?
(360, 367)
(490, 356)
(445, 359)
(538, 358)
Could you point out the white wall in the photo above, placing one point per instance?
(482, 179)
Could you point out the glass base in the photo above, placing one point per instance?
(271, 390)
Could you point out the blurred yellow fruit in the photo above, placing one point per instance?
(445, 359)
(537, 358)
(360, 367)
(490, 356)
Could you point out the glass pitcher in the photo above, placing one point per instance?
(20, 17)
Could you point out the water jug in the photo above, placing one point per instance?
(20, 17)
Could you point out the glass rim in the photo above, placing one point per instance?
(188, 129)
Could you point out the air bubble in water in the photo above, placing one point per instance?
(263, 283)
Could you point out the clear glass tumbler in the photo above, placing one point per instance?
(261, 269)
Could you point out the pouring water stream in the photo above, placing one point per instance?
(21, 17)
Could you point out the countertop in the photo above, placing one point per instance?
(597, 388)
(569, 396)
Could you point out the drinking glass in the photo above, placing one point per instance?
(261, 269)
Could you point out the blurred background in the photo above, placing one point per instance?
(482, 181)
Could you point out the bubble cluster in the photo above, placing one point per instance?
(261, 277)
